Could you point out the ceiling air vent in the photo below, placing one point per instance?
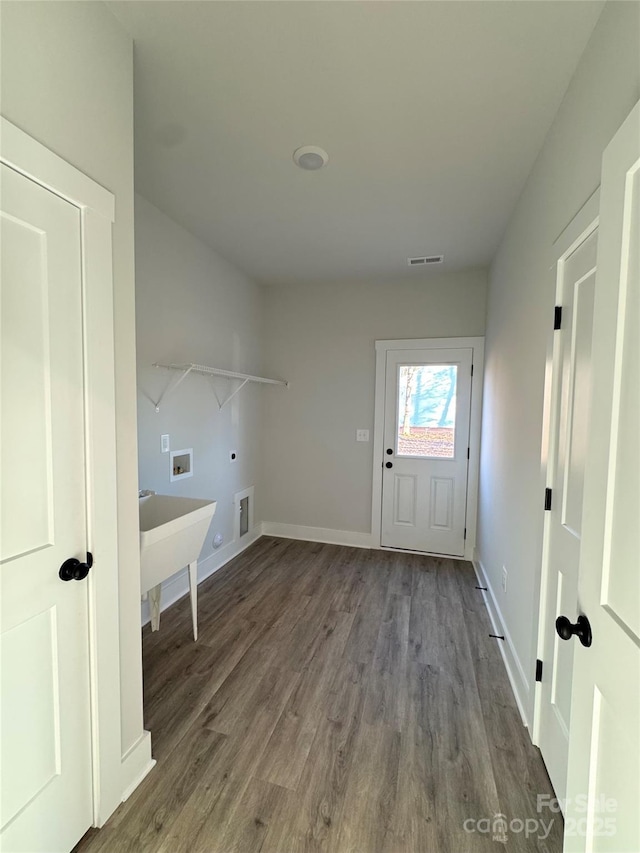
(429, 259)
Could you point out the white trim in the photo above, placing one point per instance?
(382, 347)
(178, 585)
(569, 237)
(581, 226)
(430, 343)
(136, 764)
(515, 671)
(102, 513)
(29, 157)
(96, 206)
(351, 538)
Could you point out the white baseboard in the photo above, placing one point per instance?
(317, 534)
(136, 764)
(178, 585)
(515, 671)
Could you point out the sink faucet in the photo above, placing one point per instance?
(144, 493)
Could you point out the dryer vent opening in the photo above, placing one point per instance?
(244, 516)
(244, 513)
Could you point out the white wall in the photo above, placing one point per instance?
(321, 339)
(192, 306)
(519, 326)
(67, 80)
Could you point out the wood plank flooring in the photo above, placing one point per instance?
(339, 700)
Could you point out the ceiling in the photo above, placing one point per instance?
(432, 114)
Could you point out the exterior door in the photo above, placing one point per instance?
(576, 275)
(603, 783)
(46, 802)
(426, 449)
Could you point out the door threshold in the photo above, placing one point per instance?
(423, 553)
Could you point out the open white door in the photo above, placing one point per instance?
(46, 802)
(575, 288)
(603, 783)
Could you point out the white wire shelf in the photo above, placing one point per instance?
(185, 369)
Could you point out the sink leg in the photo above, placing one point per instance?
(193, 588)
(154, 605)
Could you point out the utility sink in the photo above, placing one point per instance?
(172, 533)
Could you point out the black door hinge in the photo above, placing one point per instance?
(547, 499)
(472, 370)
(465, 533)
(538, 670)
(557, 317)
(468, 449)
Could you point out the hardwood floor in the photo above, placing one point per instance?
(337, 699)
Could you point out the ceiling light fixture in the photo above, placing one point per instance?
(310, 157)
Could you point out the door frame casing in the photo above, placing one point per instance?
(382, 348)
(583, 224)
(96, 205)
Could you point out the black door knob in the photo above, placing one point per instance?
(74, 570)
(388, 464)
(389, 451)
(581, 629)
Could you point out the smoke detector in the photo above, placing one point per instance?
(426, 260)
(310, 157)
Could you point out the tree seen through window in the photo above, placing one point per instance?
(427, 410)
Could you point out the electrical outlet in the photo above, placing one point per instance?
(504, 579)
(232, 456)
(362, 435)
(164, 443)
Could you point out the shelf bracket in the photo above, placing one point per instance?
(230, 396)
(172, 385)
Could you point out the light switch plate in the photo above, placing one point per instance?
(164, 443)
(362, 435)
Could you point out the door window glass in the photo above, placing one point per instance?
(426, 410)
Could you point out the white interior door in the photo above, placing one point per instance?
(46, 799)
(576, 274)
(426, 449)
(603, 784)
